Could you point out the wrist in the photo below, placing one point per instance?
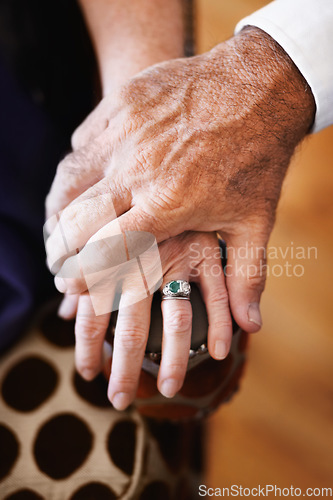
(269, 77)
(131, 36)
(115, 71)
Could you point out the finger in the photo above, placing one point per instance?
(245, 277)
(89, 334)
(215, 296)
(77, 172)
(68, 306)
(103, 202)
(92, 210)
(177, 328)
(130, 340)
(108, 250)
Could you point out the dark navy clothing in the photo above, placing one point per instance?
(46, 80)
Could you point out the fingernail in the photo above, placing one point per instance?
(60, 284)
(169, 388)
(253, 314)
(221, 349)
(121, 400)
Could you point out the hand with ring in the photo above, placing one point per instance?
(189, 257)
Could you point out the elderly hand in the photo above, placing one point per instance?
(192, 257)
(191, 144)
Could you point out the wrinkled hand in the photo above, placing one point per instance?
(191, 144)
(191, 256)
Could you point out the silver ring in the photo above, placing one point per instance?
(176, 289)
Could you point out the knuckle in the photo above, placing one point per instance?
(130, 125)
(151, 219)
(221, 324)
(124, 381)
(133, 338)
(175, 369)
(179, 322)
(87, 331)
(143, 217)
(219, 296)
(256, 277)
(141, 161)
(171, 198)
(74, 222)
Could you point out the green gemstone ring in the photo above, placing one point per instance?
(176, 289)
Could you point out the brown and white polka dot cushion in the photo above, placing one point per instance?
(60, 438)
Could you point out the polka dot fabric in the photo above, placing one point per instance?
(61, 439)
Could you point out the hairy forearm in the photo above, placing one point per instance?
(129, 36)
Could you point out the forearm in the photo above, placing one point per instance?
(130, 36)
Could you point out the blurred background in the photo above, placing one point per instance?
(279, 428)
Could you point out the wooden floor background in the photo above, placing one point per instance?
(279, 428)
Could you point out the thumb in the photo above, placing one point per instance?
(245, 277)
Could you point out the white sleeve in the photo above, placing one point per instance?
(304, 28)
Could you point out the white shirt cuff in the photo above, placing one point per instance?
(304, 28)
